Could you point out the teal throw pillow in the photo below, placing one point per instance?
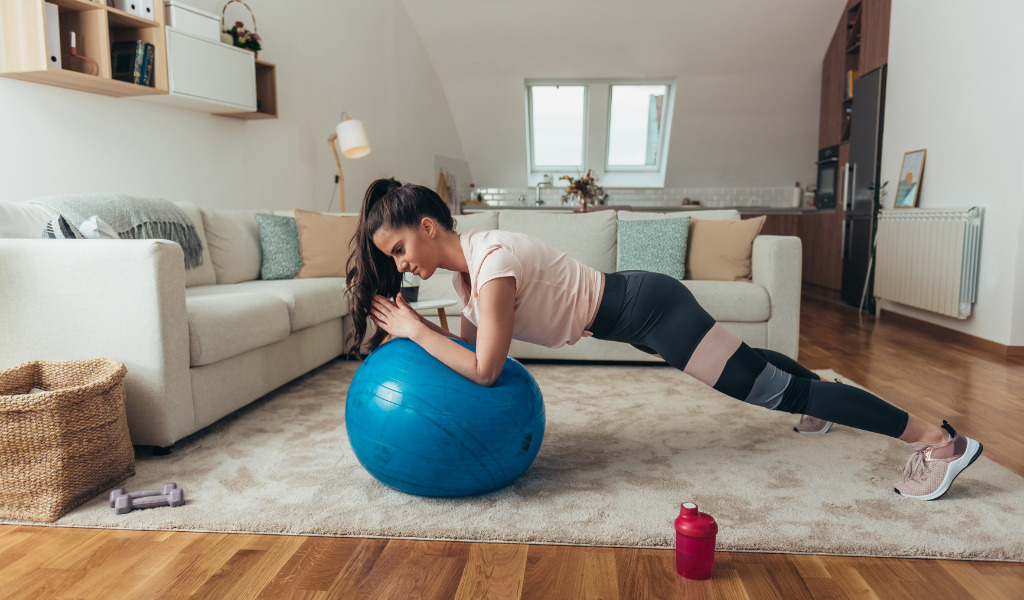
(656, 245)
(279, 241)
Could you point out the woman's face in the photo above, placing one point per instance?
(414, 249)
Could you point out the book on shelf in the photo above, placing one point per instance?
(147, 66)
(132, 61)
(851, 76)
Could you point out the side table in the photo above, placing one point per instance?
(440, 305)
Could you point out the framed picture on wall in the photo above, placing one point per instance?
(910, 179)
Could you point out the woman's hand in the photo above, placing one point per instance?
(397, 318)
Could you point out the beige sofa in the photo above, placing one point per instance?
(199, 344)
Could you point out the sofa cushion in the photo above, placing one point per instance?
(234, 241)
(481, 221)
(725, 214)
(226, 324)
(590, 238)
(735, 301)
(309, 301)
(324, 242)
(279, 245)
(23, 219)
(204, 273)
(657, 245)
(721, 250)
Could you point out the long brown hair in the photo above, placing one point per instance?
(393, 205)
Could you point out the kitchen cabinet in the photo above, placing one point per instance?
(860, 44)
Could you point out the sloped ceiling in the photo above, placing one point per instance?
(481, 43)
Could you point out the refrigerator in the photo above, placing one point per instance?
(861, 173)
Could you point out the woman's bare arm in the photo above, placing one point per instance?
(493, 335)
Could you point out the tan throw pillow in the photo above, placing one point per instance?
(324, 242)
(720, 250)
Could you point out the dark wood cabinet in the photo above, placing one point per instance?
(859, 45)
(831, 93)
(874, 48)
(779, 224)
(820, 234)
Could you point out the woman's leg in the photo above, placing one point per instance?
(659, 314)
(786, 363)
(666, 319)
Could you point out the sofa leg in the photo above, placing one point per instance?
(161, 450)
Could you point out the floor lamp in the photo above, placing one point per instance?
(351, 136)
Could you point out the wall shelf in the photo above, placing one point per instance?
(266, 93)
(23, 50)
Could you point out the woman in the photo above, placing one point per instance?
(513, 286)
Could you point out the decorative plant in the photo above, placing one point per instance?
(584, 186)
(243, 38)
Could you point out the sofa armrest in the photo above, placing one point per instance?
(776, 265)
(123, 299)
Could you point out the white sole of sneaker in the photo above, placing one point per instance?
(956, 467)
(828, 425)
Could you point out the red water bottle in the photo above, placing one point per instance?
(695, 542)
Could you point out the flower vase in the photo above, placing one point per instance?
(582, 205)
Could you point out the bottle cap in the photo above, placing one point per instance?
(693, 523)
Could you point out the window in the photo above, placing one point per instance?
(557, 126)
(627, 123)
(635, 126)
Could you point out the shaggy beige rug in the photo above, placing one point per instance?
(624, 446)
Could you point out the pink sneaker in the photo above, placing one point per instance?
(809, 424)
(928, 478)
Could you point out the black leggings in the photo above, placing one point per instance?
(658, 314)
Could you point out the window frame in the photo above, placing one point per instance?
(531, 156)
(662, 143)
(596, 135)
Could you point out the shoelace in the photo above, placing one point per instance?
(914, 465)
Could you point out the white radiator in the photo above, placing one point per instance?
(928, 259)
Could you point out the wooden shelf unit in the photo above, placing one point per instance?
(859, 45)
(23, 52)
(266, 93)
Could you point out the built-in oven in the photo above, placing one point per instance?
(828, 177)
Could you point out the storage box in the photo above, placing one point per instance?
(192, 20)
(66, 444)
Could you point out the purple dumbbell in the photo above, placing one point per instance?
(119, 491)
(123, 502)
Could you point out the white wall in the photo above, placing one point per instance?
(748, 78)
(954, 88)
(332, 56)
(731, 130)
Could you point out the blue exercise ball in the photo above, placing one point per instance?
(420, 427)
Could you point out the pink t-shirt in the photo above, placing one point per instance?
(556, 296)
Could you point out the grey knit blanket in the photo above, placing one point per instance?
(133, 218)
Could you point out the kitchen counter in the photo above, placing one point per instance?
(745, 210)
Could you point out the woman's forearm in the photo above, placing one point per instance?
(437, 328)
(458, 358)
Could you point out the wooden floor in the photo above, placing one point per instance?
(931, 377)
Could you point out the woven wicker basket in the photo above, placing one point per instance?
(60, 448)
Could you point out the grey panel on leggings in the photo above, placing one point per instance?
(768, 387)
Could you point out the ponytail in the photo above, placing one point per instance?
(386, 204)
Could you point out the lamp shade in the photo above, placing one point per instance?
(352, 138)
